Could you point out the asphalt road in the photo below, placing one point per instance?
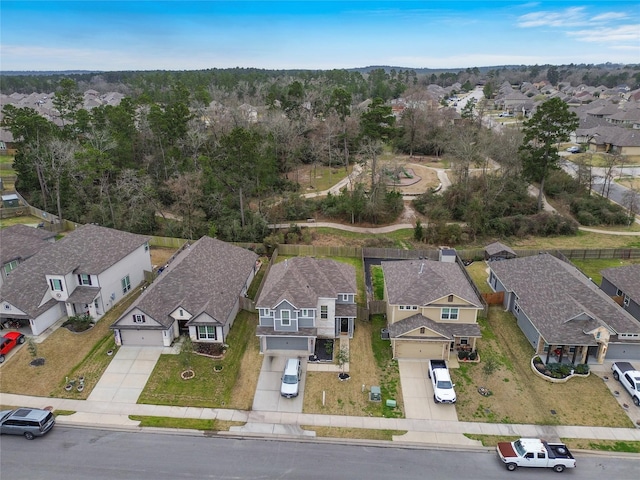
(75, 453)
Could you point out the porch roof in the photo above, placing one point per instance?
(346, 310)
(271, 332)
(83, 294)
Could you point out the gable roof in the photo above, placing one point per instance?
(625, 278)
(302, 280)
(90, 249)
(421, 282)
(556, 296)
(497, 247)
(447, 330)
(206, 277)
(19, 242)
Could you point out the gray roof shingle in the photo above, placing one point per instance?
(19, 242)
(421, 282)
(559, 299)
(625, 278)
(497, 247)
(206, 277)
(302, 280)
(446, 330)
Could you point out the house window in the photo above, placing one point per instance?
(304, 312)
(139, 319)
(207, 332)
(10, 266)
(626, 301)
(450, 298)
(181, 313)
(146, 247)
(618, 292)
(272, 313)
(464, 341)
(422, 330)
(285, 318)
(324, 311)
(56, 284)
(449, 313)
(126, 284)
(84, 279)
(95, 304)
(516, 307)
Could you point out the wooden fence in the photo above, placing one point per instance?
(495, 298)
(247, 304)
(167, 242)
(377, 307)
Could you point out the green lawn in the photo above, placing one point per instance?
(592, 268)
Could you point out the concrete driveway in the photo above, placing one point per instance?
(417, 393)
(268, 396)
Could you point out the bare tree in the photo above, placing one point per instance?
(60, 160)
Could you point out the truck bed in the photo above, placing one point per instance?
(557, 450)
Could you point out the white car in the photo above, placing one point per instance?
(573, 149)
(291, 378)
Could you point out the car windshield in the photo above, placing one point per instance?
(290, 379)
(444, 384)
(519, 448)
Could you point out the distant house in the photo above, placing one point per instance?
(304, 299)
(197, 293)
(19, 243)
(87, 272)
(624, 282)
(498, 251)
(562, 313)
(432, 308)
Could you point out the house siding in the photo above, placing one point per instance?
(134, 265)
(527, 328)
(610, 289)
(48, 318)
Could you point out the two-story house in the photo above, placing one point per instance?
(197, 293)
(432, 309)
(304, 299)
(18, 243)
(86, 272)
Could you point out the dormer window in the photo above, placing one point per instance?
(84, 279)
(56, 284)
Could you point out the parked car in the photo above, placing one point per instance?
(505, 114)
(443, 391)
(629, 377)
(9, 341)
(30, 422)
(573, 149)
(291, 378)
(534, 452)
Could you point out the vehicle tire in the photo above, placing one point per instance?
(28, 435)
(558, 468)
(1, 358)
(561, 450)
(21, 340)
(511, 467)
(636, 401)
(616, 376)
(435, 400)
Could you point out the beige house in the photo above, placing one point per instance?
(432, 309)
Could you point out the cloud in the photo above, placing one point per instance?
(623, 33)
(603, 17)
(562, 18)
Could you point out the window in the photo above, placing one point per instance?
(10, 266)
(126, 284)
(207, 331)
(139, 319)
(304, 312)
(449, 313)
(181, 313)
(516, 307)
(618, 292)
(422, 330)
(56, 284)
(324, 311)
(464, 341)
(285, 318)
(146, 247)
(408, 307)
(84, 279)
(626, 301)
(450, 298)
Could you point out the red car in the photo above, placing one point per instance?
(8, 341)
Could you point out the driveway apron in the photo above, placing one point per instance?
(268, 396)
(127, 374)
(417, 393)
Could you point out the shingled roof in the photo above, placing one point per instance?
(443, 330)
(422, 282)
(303, 280)
(206, 277)
(625, 278)
(560, 301)
(19, 242)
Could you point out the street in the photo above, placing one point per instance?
(77, 453)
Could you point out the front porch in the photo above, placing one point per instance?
(571, 354)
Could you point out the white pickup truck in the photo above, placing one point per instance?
(629, 377)
(443, 391)
(533, 452)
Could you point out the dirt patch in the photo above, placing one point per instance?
(160, 256)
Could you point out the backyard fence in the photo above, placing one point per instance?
(495, 298)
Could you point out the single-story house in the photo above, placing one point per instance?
(432, 309)
(498, 251)
(624, 282)
(563, 314)
(197, 293)
(18, 243)
(304, 299)
(87, 272)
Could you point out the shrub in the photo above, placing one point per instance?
(463, 355)
(582, 369)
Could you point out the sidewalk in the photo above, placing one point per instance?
(108, 414)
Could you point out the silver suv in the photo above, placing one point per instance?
(30, 422)
(291, 378)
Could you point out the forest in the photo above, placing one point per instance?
(181, 156)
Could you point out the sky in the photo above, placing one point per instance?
(191, 35)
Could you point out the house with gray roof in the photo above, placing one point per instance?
(562, 313)
(87, 272)
(304, 299)
(20, 242)
(432, 309)
(198, 294)
(624, 282)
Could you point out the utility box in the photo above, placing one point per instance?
(375, 395)
(391, 403)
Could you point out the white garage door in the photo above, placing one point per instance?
(142, 337)
(623, 351)
(287, 343)
(420, 350)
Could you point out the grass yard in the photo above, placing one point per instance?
(66, 354)
(232, 387)
(319, 177)
(521, 397)
(370, 364)
(629, 182)
(478, 273)
(356, 433)
(572, 443)
(189, 423)
(592, 268)
(25, 219)
(579, 241)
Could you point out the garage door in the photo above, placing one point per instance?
(623, 352)
(142, 337)
(287, 343)
(418, 350)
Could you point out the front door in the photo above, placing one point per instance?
(344, 325)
